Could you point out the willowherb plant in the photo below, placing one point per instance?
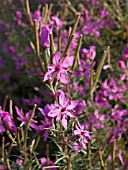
(86, 116)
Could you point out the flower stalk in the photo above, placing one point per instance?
(51, 47)
(98, 71)
(45, 59)
(27, 125)
(5, 103)
(77, 52)
(113, 155)
(28, 12)
(38, 47)
(101, 159)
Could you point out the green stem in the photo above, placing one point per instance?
(38, 47)
(75, 25)
(5, 103)
(45, 59)
(59, 41)
(27, 125)
(68, 45)
(101, 159)
(10, 109)
(98, 71)
(113, 155)
(77, 52)
(89, 155)
(28, 12)
(72, 34)
(51, 47)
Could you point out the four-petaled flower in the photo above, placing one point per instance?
(63, 109)
(83, 134)
(59, 68)
(24, 118)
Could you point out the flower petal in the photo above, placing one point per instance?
(56, 58)
(68, 61)
(48, 74)
(64, 121)
(64, 78)
(54, 112)
(76, 132)
(62, 99)
(19, 112)
(72, 105)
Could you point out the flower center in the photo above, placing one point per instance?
(82, 133)
(57, 68)
(63, 109)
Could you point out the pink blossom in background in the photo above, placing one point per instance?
(103, 13)
(18, 17)
(118, 114)
(24, 118)
(37, 16)
(57, 22)
(19, 161)
(6, 119)
(2, 167)
(43, 161)
(112, 90)
(28, 49)
(89, 54)
(121, 64)
(116, 134)
(44, 36)
(125, 53)
(121, 158)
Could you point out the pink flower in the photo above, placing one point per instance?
(125, 53)
(98, 119)
(24, 118)
(121, 65)
(89, 54)
(83, 134)
(28, 49)
(118, 114)
(19, 161)
(18, 14)
(2, 167)
(63, 109)
(37, 16)
(80, 107)
(103, 14)
(44, 36)
(116, 134)
(46, 124)
(112, 90)
(59, 69)
(44, 163)
(58, 23)
(18, 17)
(6, 119)
(78, 88)
(77, 147)
(121, 158)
